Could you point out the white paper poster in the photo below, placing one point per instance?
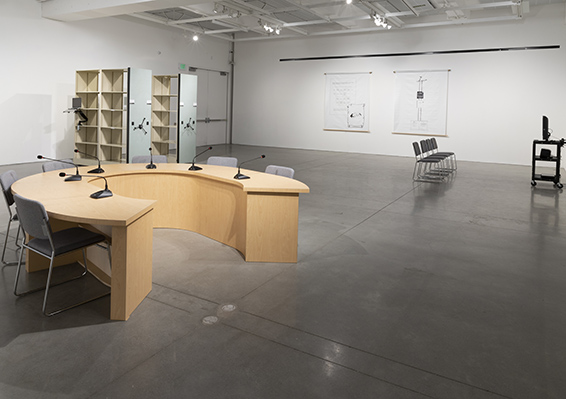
(346, 105)
(421, 100)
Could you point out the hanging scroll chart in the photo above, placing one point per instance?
(346, 106)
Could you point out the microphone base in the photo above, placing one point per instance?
(97, 170)
(101, 194)
(74, 178)
(193, 167)
(240, 176)
(151, 166)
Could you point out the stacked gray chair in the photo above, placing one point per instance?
(450, 155)
(426, 168)
(147, 159)
(35, 223)
(280, 171)
(223, 161)
(6, 180)
(443, 168)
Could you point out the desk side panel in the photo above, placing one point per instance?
(272, 227)
(132, 262)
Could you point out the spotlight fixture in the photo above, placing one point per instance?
(269, 28)
(348, 1)
(195, 38)
(380, 21)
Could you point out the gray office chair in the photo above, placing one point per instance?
(6, 180)
(55, 165)
(35, 223)
(223, 161)
(280, 171)
(147, 159)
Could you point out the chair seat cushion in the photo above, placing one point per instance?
(66, 241)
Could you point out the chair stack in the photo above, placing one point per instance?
(432, 165)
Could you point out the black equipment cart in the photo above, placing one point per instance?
(549, 156)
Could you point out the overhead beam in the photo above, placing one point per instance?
(375, 29)
(76, 10)
(152, 18)
(201, 19)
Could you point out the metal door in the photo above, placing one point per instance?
(212, 118)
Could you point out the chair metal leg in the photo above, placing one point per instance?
(48, 278)
(109, 250)
(6, 243)
(18, 272)
(6, 239)
(70, 306)
(48, 283)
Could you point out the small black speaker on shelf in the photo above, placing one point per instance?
(545, 153)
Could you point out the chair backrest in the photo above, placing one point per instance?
(430, 145)
(424, 146)
(55, 165)
(6, 180)
(33, 217)
(280, 171)
(433, 143)
(223, 161)
(147, 159)
(417, 149)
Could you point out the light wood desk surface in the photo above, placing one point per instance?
(257, 216)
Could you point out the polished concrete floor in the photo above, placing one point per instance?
(402, 290)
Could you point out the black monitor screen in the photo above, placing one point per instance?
(77, 102)
(545, 133)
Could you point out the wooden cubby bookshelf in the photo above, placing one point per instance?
(103, 94)
(164, 115)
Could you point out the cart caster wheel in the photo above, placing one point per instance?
(559, 185)
(533, 183)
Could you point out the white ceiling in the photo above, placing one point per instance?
(242, 20)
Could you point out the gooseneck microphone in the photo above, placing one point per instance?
(150, 165)
(75, 177)
(98, 194)
(240, 176)
(97, 170)
(193, 167)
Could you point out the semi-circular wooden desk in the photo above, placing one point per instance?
(257, 216)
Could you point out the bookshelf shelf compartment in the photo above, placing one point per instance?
(103, 96)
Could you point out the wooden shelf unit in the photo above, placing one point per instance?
(103, 93)
(164, 115)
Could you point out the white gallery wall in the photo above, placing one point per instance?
(39, 58)
(495, 99)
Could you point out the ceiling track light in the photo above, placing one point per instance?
(269, 28)
(221, 9)
(380, 21)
